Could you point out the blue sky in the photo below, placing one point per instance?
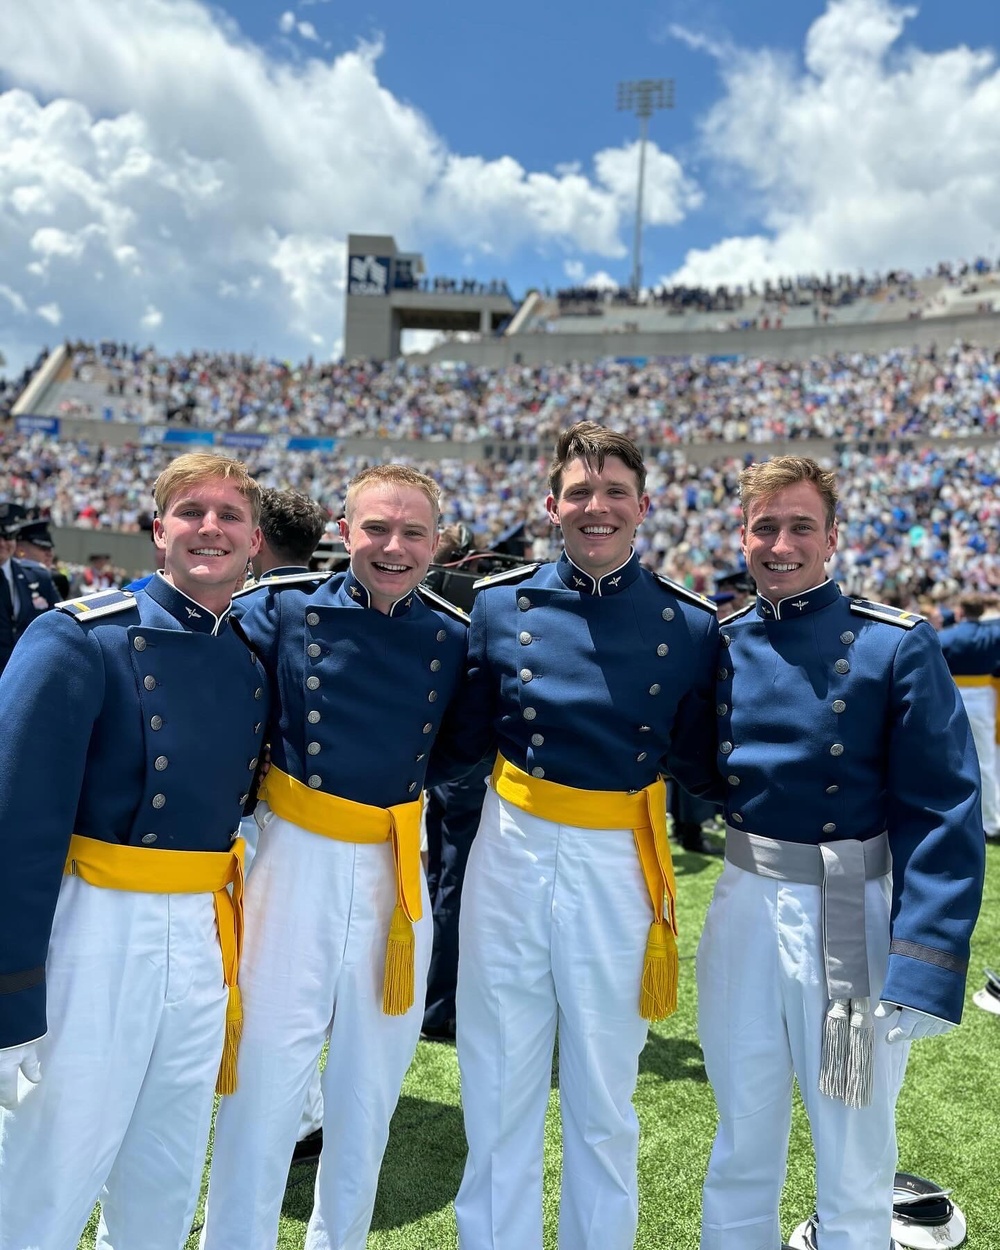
(187, 174)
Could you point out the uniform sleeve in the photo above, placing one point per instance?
(260, 620)
(51, 693)
(935, 832)
(47, 589)
(468, 730)
(691, 757)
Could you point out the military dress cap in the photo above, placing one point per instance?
(37, 533)
(737, 581)
(11, 516)
(923, 1214)
(988, 998)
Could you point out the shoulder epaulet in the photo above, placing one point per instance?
(883, 612)
(440, 604)
(289, 579)
(507, 576)
(103, 603)
(735, 616)
(682, 592)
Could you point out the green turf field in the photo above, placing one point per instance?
(948, 1120)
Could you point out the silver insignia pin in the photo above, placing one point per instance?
(802, 603)
(193, 613)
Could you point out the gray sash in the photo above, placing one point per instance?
(840, 869)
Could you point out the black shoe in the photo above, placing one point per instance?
(309, 1147)
(439, 1033)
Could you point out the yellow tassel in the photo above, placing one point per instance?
(397, 987)
(226, 1082)
(658, 996)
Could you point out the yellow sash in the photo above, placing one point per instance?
(346, 821)
(996, 688)
(144, 870)
(974, 681)
(645, 813)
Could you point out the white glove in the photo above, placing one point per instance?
(909, 1025)
(15, 1059)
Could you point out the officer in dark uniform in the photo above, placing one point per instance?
(26, 590)
(854, 868)
(364, 666)
(35, 548)
(132, 727)
(595, 677)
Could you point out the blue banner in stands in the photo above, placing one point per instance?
(311, 444)
(36, 425)
(236, 439)
(189, 436)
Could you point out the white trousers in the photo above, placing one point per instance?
(761, 1004)
(981, 708)
(554, 925)
(317, 921)
(136, 1015)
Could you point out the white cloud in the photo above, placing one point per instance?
(149, 150)
(152, 318)
(873, 154)
(50, 313)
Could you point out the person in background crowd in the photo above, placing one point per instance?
(594, 676)
(26, 589)
(34, 546)
(132, 726)
(972, 652)
(364, 667)
(291, 525)
(853, 875)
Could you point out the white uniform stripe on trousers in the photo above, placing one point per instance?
(136, 1012)
(761, 1004)
(317, 921)
(554, 925)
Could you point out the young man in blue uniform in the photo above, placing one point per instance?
(338, 927)
(971, 650)
(594, 677)
(839, 929)
(131, 729)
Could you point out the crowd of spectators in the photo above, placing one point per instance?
(827, 291)
(915, 524)
(894, 394)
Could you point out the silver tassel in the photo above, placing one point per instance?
(836, 1048)
(861, 1056)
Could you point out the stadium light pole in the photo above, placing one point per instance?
(643, 96)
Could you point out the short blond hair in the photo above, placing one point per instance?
(198, 466)
(761, 481)
(393, 475)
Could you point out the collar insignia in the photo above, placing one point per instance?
(802, 603)
(578, 581)
(613, 581)
(193, 613)
(355, 593)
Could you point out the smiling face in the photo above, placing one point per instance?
(391, 535)
(599, 513)
(787, 540)
(207, 535)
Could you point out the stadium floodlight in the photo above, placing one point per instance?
(643, 97)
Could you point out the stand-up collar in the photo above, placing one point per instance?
(192, 615)
(792, 607)
(285, 570)
(358, 593)
(609, 584)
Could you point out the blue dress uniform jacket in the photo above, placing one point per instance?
(598, 685)
(359, 695)
(140, 724)
(838, 719)
(33, 594)
(972, 648)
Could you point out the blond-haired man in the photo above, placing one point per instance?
(131, 728)
(364, 666)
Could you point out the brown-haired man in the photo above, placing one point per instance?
(131, 728)
(364, 666)
(593, 676)
(842, 739)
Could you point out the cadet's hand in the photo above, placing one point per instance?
(23, 1059)
(909, 1025)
